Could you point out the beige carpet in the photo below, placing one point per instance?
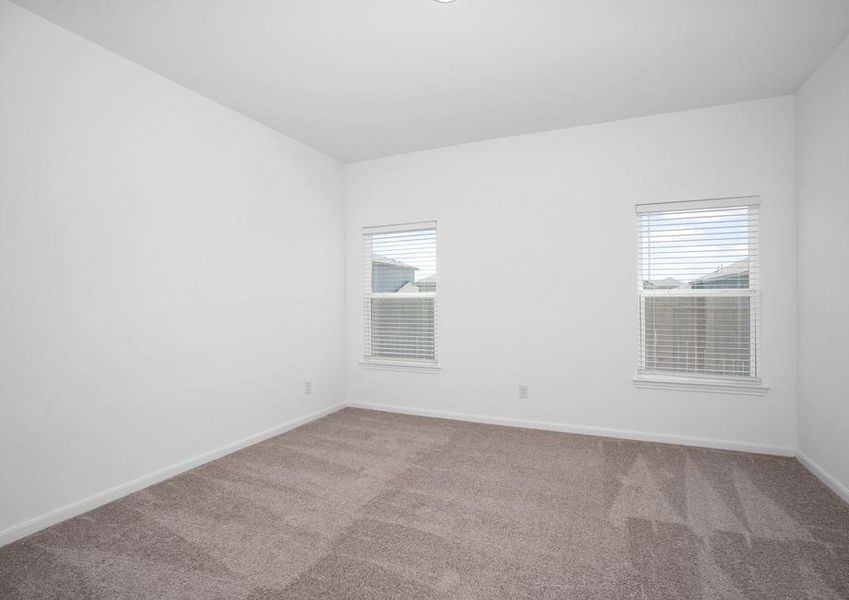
(365, 504)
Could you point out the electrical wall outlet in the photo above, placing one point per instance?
(523, 391)
(308, 386)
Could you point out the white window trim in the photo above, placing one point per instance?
(398, 365)
(727, 385)
(409, 366)
(750, 386)
(730, 202)
(399, 227)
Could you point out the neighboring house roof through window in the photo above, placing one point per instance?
(385, 260)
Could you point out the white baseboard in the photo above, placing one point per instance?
(827, 478)
(627, 434)
(58, 515)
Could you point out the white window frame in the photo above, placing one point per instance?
(413, 366)
(696, 382)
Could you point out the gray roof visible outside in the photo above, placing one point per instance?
(385, 260)
(668, 283)
(735, 268)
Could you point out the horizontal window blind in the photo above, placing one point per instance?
(698, 288)
(400, 293)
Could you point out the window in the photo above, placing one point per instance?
(698, 294)
(400, 296)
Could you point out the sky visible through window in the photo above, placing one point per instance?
(688, 245)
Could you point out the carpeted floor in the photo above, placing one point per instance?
(364, 504)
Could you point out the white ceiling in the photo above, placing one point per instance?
(360, 79)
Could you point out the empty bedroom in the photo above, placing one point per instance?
(424, 299)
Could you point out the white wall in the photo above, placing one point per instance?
(822, 113)
(170, 272)
(537, 270)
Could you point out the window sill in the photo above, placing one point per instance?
(391, 365)
(693, 384)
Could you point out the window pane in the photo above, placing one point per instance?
(698, 249)
(700, 335)
(402, 327)
(400, 294)
(403, 262)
